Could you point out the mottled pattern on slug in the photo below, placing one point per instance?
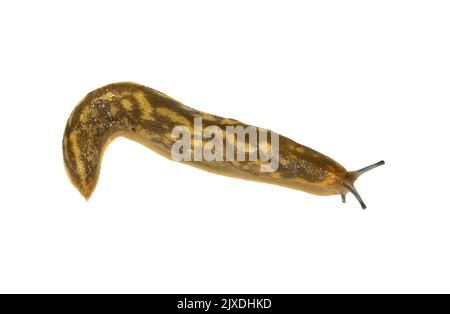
(148, 116)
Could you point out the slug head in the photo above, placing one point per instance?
(349, 180)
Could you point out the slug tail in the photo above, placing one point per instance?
(93, 124)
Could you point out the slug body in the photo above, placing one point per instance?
(149, 117)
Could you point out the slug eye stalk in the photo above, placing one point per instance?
(368, 168)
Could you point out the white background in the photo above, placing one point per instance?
(359, 81)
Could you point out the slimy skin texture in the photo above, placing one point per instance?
(145, 115)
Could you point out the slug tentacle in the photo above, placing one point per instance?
(368, 168)
(151, 117)
(353, 190)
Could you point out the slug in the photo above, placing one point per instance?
(150, 117)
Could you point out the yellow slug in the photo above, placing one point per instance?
(150, 117)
